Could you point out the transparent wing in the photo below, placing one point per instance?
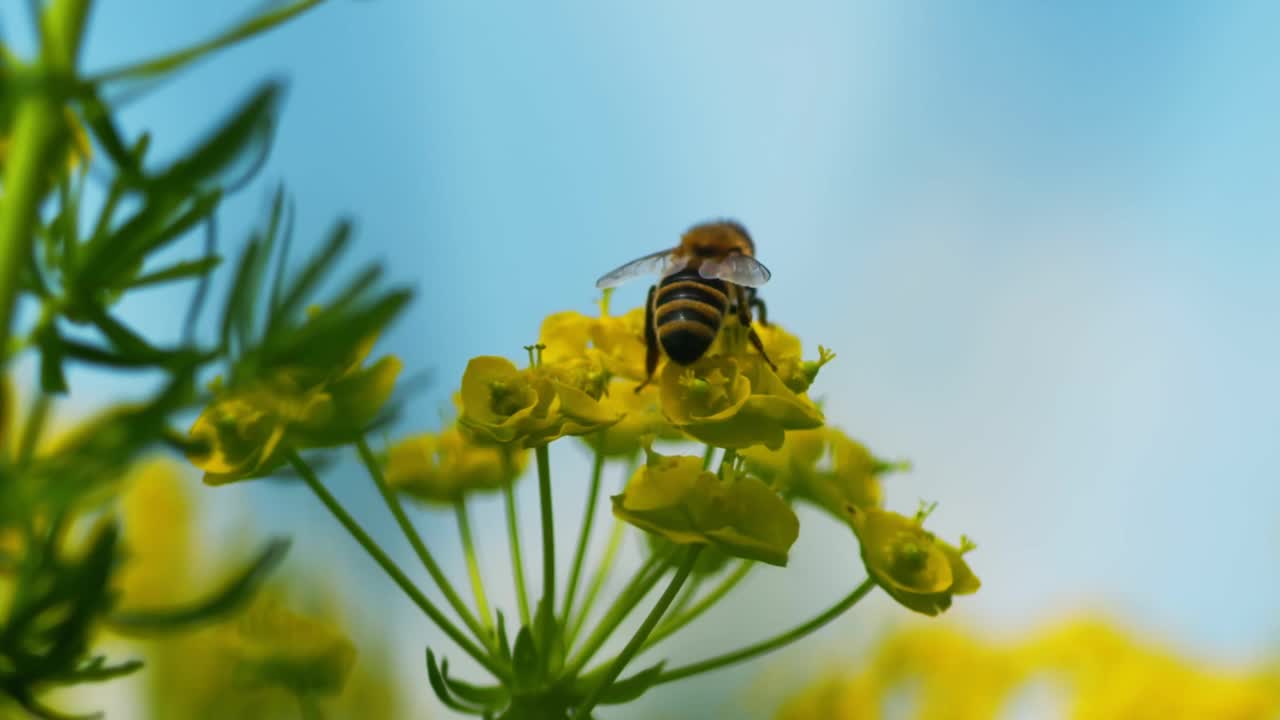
(737, 269)
(663, 262)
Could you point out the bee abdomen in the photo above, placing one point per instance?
(687, 313)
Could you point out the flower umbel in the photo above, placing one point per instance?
(502, 404)
(738, 515)
(446, 466)
(248, 432)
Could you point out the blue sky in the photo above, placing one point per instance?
(1042, 238)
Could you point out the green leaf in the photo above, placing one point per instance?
(227, 599)
(183, 270)
(628, 689)
(315, 269)
(485, 697)
(504, 645)
(436, 678)
(52, 379)
(243, 138)
(525, 664)
(238, 295)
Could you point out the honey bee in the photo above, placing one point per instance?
(711, 272)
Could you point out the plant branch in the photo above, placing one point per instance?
(771, 644)
(389, 566)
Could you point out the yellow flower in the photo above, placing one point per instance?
(160, 534)
(444, 467)
(915, 568)
(249, 432)
(616, 341)
(642, 419)
(272, 646)
(502, 404)
(824, 466)
(739, 515)
(734, 403)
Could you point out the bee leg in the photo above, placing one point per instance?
(762, 313)
(652, 351)
(755, 340)
(744, 318)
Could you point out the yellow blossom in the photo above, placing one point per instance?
(444, 467)
(248, 432)
(641, 418)
(915, 568)
(734, 403)
(273, 646)
(738, 515)
(616, 342)
(502, 404)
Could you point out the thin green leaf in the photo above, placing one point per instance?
(436, 679)
(315, 269)
(178, 271)
(170, 62)
(227, 599)
(248, 131)
(238, 294)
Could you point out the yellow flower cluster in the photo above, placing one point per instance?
(1102, 674)
(443, 467)
(248, 432)
(738, 515)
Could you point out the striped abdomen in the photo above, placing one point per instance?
(687, 310)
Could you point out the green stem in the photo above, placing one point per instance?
(37, 415)
(548, 601)
(637, 641)
(173, 61)
(603, 570)
(38, 136)
(389, 566)
(771, 644)
(583, 538)
(473, 565)
(309, 708)
(641, 583)
(707, 456)
(393, 504)
(517, 563)
(679, 620)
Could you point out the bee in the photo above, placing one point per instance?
(713, 271)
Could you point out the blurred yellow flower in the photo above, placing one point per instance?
(502, 404)
(734, 402)
(642, 419)
(1099, 671)
(617, 341)
(248, 432)
(443, 467)
(159, 533)
(824, 466)
(273, 646)
(738, 515)
(915, 568)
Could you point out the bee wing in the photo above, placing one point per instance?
(663, 262)
(737, 269)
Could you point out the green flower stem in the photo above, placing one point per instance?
(517, 563)
(389, 566)
(36, 143)
(579, 555)
(771, 644)
(597, 583)
(637, 641)
(727, 461)
(175, 60)
(679, 620)
(641, 583)
(548, 602)
(393, 504)
(33, 428)
(707, 456)
(473, 565)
